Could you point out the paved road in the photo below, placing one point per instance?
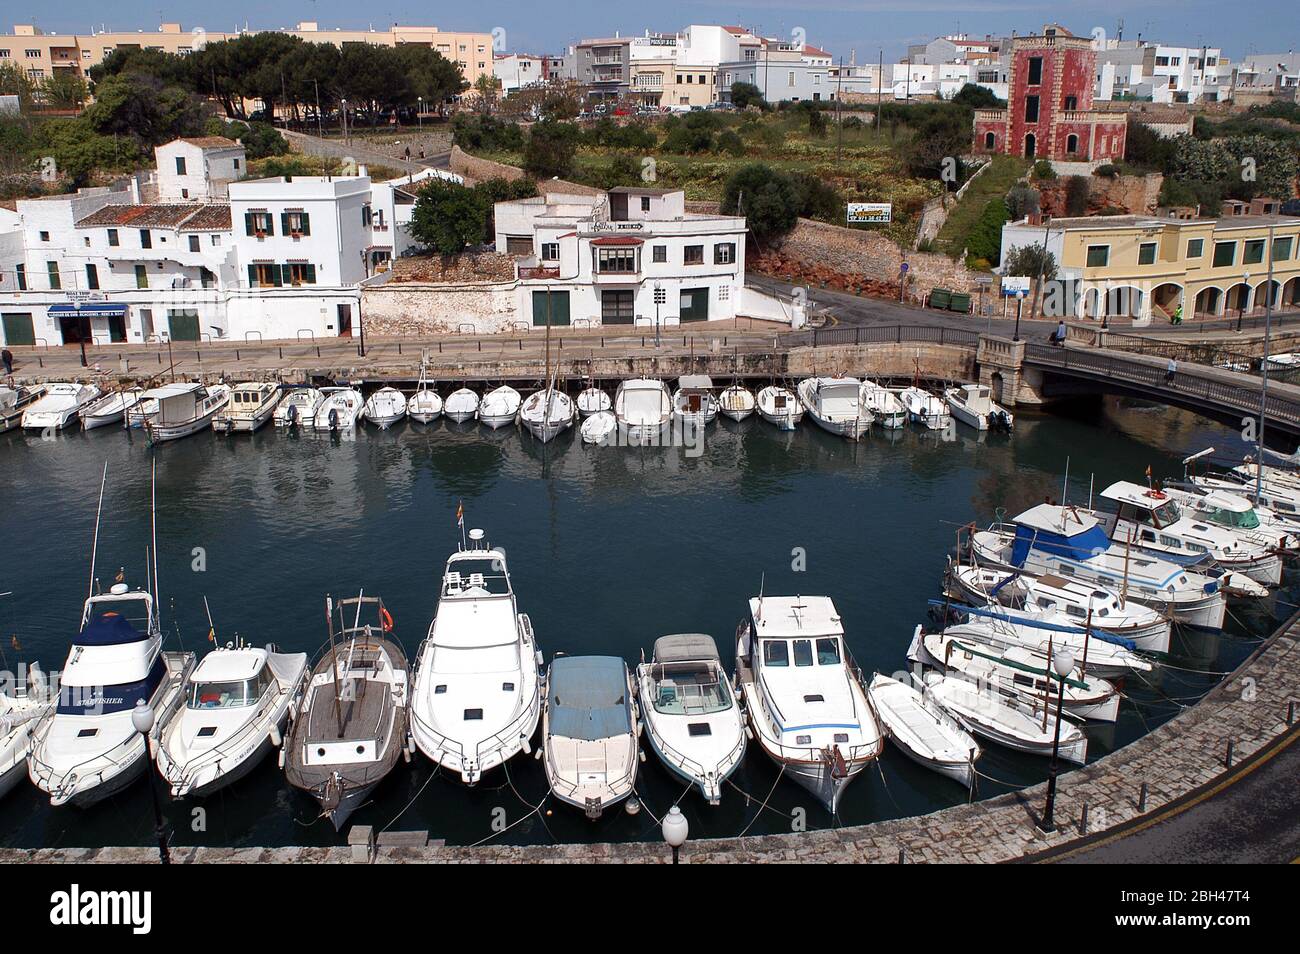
(1250, 818)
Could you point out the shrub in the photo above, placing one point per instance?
(1077, 190)
(1107, 170)
(986, 237)
(1043, 170)
(550, 148)
(1022, 201)
(768, 199)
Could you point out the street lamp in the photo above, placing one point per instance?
(1241, 309)
(1020, 304)
(675, 829)
(142, 717)
(343, 118)
(419, 114)
(1062, 665)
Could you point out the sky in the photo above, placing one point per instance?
(842, 27)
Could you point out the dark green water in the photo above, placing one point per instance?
(609, 548)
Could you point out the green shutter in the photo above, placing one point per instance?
(252, 276)
(280, 273)
(248, 223)
(284, 223)
(311, 274)
(19, 329)
(306, 224)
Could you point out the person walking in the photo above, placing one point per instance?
(1170, 370)
(1060, 332)
(1177, 317)
(7, 357)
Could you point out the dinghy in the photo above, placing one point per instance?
(1006, 720)
(13, 402)
(692, 720)
(238, 701)
(351, 727)
(972, 404)
(499, 407)
(593, 400)
(835, 405)
(924, 408)
(250, 406)
(736, 402)
(779, 406)
(386, 407)
(547, 413)
(477, 694)
(643, 408)
(884, 405)
(22, 707)
(341, 410)
(924, 732)
(424, 406)
(110, 409)
(805, 698)
(461, 405)
(590, 728)
(694, 402)
(181, 409)
(600, 428)
(299, 408)
(59, 405)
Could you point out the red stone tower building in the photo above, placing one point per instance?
(1049, 113)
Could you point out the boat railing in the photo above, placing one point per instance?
(683, 760)
(184, 770)
(562, 787)
(64, 781)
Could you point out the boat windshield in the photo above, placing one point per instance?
(224, 695)
(484, 573)
(1237, 519)
(689, 689)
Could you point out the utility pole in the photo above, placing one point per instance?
(880, 86)
(1263, 368)
(839, 121)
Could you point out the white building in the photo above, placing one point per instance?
(514, 71)
(198, 169)
(628, 257)
(1140, 69)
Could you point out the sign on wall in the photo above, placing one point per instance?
(871, 213)
(1015, 284)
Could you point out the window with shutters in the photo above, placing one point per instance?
(300, 273)
(146, 238)
(141, 277)
(263, 275)
(52, 270)
(258, 224)
(295, 224)
(550, 251)
(724, 253)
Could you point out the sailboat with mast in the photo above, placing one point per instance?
(550, 411)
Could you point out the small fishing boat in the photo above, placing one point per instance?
(13, 402)
(351, 727)
(299, 407)
(499, 407)
(1013, 669)
(736, 402)
(779, 406)
(836, 405)
(181, 409)
(884, 405)
(425, 405)
(109, 409)
(59, 405)
(692, 720)
(694, 402)
(341, 410)
(924, 732)
(600, 428)
(643, 408)
(386, 407)
(22, 707)
(805, 698)
(593, 400)
(250, 406)
(461, 405)
(590, 728)
(1006, 720)
(924, 408)
(238, 701)
(477, 695)
(972, 404)
(547, 413)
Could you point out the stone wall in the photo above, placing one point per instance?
(1138, 195)
(425, 308)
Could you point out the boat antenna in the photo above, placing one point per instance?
(212, 629)
(762, 581)
(94, 546)
(1065, 485)
(153, 514)
(1091, 479)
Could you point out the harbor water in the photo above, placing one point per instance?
(609, 548)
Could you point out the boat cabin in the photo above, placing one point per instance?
(688, 677)
(977, 397)
(177, 403)
(693, 391)
(838, 397)
(229, 679)
(114, 660)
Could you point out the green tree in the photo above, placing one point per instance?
(141, 108)
(64, 90)
(978, 97)
(985, 240)
(939, 137)
(768, 199)
(80, 152)
(448, 218)
(744, 95)
(1027, 260)
(14, 82)
(550, 149)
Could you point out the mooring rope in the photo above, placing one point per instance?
(775, 782)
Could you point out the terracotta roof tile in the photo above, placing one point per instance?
(204, 217)
(210, 142)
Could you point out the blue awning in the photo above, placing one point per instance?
(91, 309)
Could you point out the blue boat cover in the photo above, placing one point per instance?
(109, 629)
(105, 700)
(1079, 546)
(589, 698)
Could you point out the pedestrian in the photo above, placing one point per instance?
(408, 153)
(421, 153)
(7, 357)
(1171, 370)
(1178, 314)
(1060, 332)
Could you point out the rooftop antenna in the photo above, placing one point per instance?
(94, 546)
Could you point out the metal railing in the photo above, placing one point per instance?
(895, 334)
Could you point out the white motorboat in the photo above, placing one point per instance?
(836, 405)
(1014, 670)
(547, 413)
(1234, 513)
(1248, 472)
(590, 728)
(89, 748)
(424, 406)
(1062, 541)
(972, 404)
(643, 408)
(1155, 523)
(1006, 720)
(22, 707)
(499, 407)
(593, 400)
(1283, 361)
(692, 720)
(806, 700)
(924, 732)
(385, 407)
(352, 725)
(1281, 500)
(250, 406)
(109, 409)
(779, 406)
(13, 402)
(885, 407)
(925, 408)
(342, 409)
(694, 402)
(477, 696)
(238, 701)
(600, 428)
(178, 410)
(1129, 623)
(299, 408)
(736, 402)
(461, 405)
(61, 404)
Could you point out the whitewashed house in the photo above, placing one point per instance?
(198, 169)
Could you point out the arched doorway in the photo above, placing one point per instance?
(1092, 303)
(1291, 292)
(1031, 146)
(1071, 144)
(1124, 301)
(1209, 301)
(1260, 300)
(996, 385)
(1237, 300)
(1166, 299)
(990, 141)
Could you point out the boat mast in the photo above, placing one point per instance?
(334, 664)
(153, 516)
(94, 546)
(1128, 547)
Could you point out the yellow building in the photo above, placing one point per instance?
(41, 54)
(1145, 267)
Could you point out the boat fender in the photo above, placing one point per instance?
(387, 619)
(274, 736)
(280, 759)
(334, 418)
(538, 755)
(640, 753)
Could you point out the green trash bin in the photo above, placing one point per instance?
(940, 297)
(959, 301)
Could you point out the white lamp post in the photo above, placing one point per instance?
(419, 115)
(1062, 666)
(675, 829)
(142, 717)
